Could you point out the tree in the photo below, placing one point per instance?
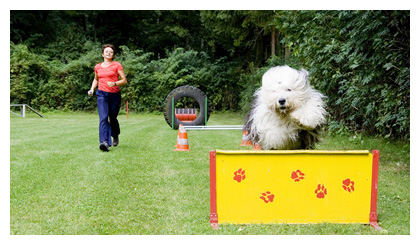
(243, 34)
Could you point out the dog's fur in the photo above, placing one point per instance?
(287, 112)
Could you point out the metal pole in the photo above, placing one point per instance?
(219, 127)
(33, 110)
(23, 110)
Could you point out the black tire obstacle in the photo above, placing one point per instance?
(186, 91)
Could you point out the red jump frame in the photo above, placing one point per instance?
(373, 216)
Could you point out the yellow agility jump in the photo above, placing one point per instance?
(300, 186)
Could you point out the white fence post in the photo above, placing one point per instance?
(23, 110)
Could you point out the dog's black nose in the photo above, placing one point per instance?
(282, 101)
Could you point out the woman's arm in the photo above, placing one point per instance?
(121, 82)
(94, 84)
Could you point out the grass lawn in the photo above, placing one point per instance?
(61, 183)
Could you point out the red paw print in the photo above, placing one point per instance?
(239, 175)
(321, 191)
(267, 197)
(297, 175)
(348, 185)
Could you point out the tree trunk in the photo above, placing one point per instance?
(286, 53)
(273, 41)
(187, 42)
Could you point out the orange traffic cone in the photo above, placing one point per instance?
(257, 146)
(182, 140)
(245, 141)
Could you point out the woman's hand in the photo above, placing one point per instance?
(112, 84)
(90, 92)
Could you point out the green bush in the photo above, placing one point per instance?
(27, 72)
(53, 84)
(38, 81)
(360, 60)
(150, 81)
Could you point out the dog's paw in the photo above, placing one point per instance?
(301, 119)
(306, 119)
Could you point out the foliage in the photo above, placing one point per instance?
(28, 71)
(150, 81)
(359, 59)
(239, 32)
(50, 84)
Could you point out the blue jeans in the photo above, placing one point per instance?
(108, 109)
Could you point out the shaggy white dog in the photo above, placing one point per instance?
(287, 112)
